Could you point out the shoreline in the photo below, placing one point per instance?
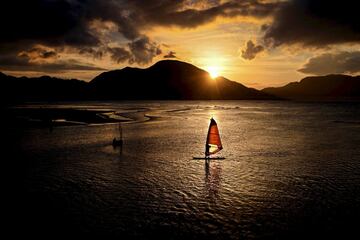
(44, 117)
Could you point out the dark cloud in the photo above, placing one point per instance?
(95, 52)
(61, 24)
(119, 54)
(46, 22)
(143, 50)
(315, 23)
(171, 54)
(38, 53)
(176, 13)
(342, 62)
(9, 63)
(48, 54)
(64, 22)
(251, 50)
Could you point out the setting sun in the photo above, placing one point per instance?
(169, 119)
(213, 71)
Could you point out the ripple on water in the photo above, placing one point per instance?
(280, 171)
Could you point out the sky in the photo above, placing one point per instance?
(259, 43)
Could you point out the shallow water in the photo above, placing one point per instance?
(292, 170)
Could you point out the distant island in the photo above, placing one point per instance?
(170, 80)
(335, 87)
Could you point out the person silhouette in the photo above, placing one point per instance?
(207, 151)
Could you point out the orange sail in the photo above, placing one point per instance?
(213, 141)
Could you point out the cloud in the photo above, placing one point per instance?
(38, 53)
(170, 54)
(48, 22)
(97, 53)
(251, 50)
(55, 23)
(314, 23)
(181, 13)
(68, 24)
(342, 62)
(119, 54)
(143, 50)
(9, 63)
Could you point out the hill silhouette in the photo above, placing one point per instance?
(43, 88)
(330, 87)
(169, 79)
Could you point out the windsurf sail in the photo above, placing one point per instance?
(213, 141)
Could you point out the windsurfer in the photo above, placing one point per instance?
(207, 150)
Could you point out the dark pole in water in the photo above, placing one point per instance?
(207, 149)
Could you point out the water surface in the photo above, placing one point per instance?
(292, 170)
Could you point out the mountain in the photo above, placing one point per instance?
(43, 88)
(169, 79)
(331, 87)
(166, 79)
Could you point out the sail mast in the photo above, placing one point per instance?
(120, 131)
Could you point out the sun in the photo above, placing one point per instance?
(213, 71)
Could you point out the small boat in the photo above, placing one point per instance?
(118, 142)
(213, 142)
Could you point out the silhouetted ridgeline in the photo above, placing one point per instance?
(41, 89)
(330, 87)
(166, 79)
(169, 79)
